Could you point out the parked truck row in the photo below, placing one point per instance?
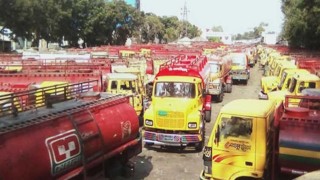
(161, 99)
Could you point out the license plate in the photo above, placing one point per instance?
(169, 138)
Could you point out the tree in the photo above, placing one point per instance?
(172, 28)
(152, 28)
(257, 31)
(217, 29)
(302, 23)
(192, 30)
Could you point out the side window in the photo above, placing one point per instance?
(237, 127)
(199, 90)
(312, 85)
(114, 85)
(288, 83)
(302, 86)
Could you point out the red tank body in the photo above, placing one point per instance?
(299, 132)
(75, 135)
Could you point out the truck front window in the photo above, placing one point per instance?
(283, 78)
(214, 68)
(292, 85)
(238, 61)
(114, 85)
(175, 89)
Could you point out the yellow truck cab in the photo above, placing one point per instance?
(275, 62)
(239, 68)
(137, 72)
(179, 106)
(270, 83)
(283, 83)
(298, 82)
(238, 144)
(126, 83)
(48, 92)
(127, 53)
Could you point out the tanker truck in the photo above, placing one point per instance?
(76, 133)
(258, 139)
(179, 106)
(219, 80)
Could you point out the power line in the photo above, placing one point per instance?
(184, 14)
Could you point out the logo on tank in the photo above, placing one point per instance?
(64, 151)
(126, 129)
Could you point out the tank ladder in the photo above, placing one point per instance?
(90, 136)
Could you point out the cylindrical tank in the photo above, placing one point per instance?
(299, 142)
(299, 153)
(59, 140)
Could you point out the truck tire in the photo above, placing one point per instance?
(128, 170)
(245, 82)
(199, 146)
(220, 97)
(207, 116)
(229, 88)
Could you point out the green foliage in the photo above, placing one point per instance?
(217, 29)
(97, 22)
(302, 23)
(256, 33)
(152, 28)
(214, 39)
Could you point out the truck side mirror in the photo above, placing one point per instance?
(217, 136)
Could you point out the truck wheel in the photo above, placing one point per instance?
(140, 117)
(229, 88)
(128, 170)
(246, 82)
(207, 116)
(220, 97)
(199, 146)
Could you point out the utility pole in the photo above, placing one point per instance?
(184, 14)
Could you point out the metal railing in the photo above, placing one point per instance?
(14, 103)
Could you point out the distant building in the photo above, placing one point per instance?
(270, 38)
(225, 38)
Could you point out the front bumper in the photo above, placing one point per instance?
(202, 177)
(171, 139)
(214, 92)
(263, 95)
(240, 77)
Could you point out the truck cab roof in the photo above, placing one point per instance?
(306, 77)
(249, 107)
(121, 76)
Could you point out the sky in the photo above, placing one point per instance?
(235, 16)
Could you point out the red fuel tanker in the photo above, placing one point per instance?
(65, 131)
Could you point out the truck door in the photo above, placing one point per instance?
(234, 146)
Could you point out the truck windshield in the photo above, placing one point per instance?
(214, 68)
(238, 61)
(283, 78)
(292, 85)
(175, 89)
(277, 72)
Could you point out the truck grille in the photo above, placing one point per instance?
(171, 120)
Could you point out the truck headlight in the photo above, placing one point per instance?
(149, 122)
(192, 125)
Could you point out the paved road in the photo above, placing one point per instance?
(175, 164)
